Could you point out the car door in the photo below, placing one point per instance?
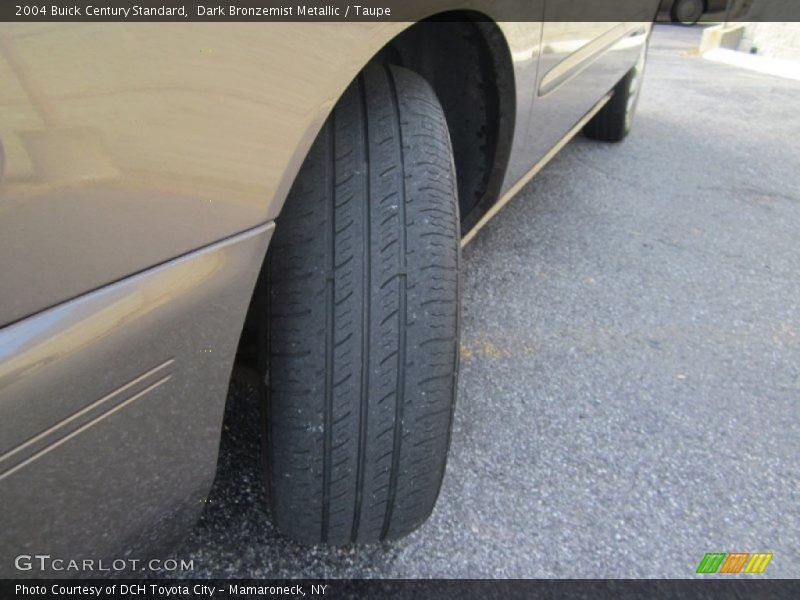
(583, 54)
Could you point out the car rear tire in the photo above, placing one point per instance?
(687, 12)
(614, 121)
(364, 319)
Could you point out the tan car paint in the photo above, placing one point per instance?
(112, 404)
(130, 144)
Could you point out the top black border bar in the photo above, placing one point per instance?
(374, 10)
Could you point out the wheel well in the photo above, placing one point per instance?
(465, 58)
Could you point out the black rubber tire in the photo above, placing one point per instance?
(364, 319)
(613, 122)
(687, 12)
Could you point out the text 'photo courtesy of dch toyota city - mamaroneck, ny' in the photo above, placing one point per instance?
(400, 298)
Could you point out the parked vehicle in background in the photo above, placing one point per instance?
(292, 196)
(689, 12)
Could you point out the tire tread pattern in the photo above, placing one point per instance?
(364, 281)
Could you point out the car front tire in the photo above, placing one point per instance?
(364, 319)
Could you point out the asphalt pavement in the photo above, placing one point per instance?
(630, 387)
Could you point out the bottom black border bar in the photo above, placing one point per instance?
(217, 589)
